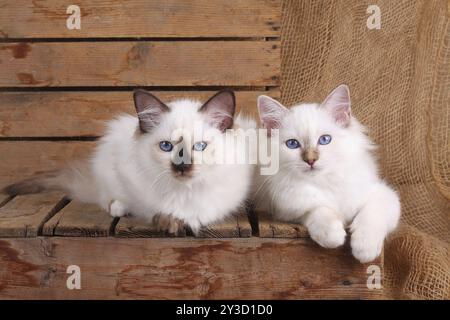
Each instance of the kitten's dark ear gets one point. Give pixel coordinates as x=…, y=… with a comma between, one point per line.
x=149, y=109
x=338, y=104
x=271, y=112
x=219, y=109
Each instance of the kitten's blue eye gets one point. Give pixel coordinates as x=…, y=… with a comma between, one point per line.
x=325, y=139
x=292, y=144
x=200, y=146
x=165, y=146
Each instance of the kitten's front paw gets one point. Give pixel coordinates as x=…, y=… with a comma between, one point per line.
x=331, y=235
x=366, y=246
x=117, y=209
x=168, y=223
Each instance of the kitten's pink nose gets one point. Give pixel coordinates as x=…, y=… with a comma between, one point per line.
x=310, y=156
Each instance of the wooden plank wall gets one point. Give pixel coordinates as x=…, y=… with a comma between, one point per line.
x=59, y=86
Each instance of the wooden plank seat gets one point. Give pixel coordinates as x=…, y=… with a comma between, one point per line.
x=43, y=234
x=52, y=214
x=268, y=227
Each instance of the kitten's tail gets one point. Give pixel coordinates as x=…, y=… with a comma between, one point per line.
x=75, y=181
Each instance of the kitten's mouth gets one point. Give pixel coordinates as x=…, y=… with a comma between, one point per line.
x=182, y=171
x=310, y=169
x=182, y=175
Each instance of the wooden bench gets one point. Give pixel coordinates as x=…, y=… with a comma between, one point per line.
x=58, y=86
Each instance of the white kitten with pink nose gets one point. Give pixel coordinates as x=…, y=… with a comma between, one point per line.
x=328, y=177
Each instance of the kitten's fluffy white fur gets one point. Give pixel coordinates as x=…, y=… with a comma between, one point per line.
x=129, y=172
x=342, y=188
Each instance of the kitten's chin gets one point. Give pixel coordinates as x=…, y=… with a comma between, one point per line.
x=186, y=178
x=183, y=176
x=311, y=170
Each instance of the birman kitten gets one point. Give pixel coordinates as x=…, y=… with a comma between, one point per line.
x=328, y=177
x=160, y=165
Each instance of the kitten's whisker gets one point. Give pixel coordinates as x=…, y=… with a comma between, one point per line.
x=144, y=170
x=260, y=187
x=158, y=178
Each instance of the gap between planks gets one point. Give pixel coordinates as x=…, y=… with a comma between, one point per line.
x=168, y=89
x=136, y=39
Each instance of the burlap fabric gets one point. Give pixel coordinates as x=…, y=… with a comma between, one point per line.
x=399, y=78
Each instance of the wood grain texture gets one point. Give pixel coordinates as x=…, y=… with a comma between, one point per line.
x=21, y=159
x=60, y=114
x=128, y=227
x=24, y=216
x=4, y=198
x=79, y=220
x=187, y=268
x=272, y=228
x=142, y=18
x=243, y=222
x=160, y=63
x=234, y=226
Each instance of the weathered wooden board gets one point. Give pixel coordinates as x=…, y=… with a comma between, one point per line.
x=24, y=216
x=142, y=18
x=21, y=159
x=79, y=220
x=60, y=114
x=235, y=226
x=4, y=198
x=129, y=227
x=270, y=228
x=159, y=63
x=180, y=268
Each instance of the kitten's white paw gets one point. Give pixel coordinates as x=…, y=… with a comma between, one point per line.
x=330, y=235
x=117, y=209
x=168, y=223
x=366, y=246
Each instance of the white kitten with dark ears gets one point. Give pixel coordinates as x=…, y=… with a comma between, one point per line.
x=328, y=177
x=147, y=165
